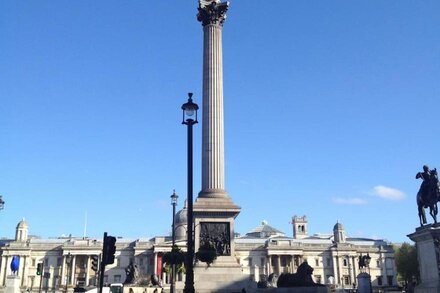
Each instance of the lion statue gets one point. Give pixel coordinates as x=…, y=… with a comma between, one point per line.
x=302, y=278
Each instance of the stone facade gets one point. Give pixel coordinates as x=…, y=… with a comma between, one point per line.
x=262, y=251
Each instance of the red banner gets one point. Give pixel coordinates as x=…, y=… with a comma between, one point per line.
x=159, y=266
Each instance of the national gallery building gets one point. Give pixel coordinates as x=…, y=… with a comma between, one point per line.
x=67, y=261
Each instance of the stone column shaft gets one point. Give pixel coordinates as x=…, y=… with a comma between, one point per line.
x=213, y=182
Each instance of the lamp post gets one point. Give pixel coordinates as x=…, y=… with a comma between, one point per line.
x=2, y=202
x=189, y=119
x=173, y=235
x=68, y=262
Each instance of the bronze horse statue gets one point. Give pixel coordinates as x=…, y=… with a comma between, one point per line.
x=428, y=195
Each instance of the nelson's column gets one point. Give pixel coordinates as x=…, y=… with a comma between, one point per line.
x=214, y=211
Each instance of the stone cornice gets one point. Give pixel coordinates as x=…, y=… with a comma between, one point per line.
x=214, y=13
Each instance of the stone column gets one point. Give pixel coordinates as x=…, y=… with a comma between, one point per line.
x=269, y=266
x=63, y=272
x=72, y=271
x=23, y=260
x=88, y=270
x=212, y=17
x=279, y=264
x=155, y=264
x=354, y=267
x=3, y=269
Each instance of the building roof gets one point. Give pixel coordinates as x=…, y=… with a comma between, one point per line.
x=264, y=231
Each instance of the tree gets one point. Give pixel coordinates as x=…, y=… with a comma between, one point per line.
x=406, y=262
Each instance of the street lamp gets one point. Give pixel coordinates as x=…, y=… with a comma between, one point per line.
x=173, y=235
x=2, y=202
x=189, y=119
x=68, y=262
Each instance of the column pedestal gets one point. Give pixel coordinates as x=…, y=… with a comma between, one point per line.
x=427, y=241
x=12, y=284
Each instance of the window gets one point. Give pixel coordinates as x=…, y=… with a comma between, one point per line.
x=378, y=263
x=346, y=280
x=34, y=262
x=390, y=280
x=379, y=280
x=117, y=278
x=345, y=262
x=317, y=262
x=262, y=262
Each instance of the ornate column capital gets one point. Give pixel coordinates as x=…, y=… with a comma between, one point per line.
x=212, y=13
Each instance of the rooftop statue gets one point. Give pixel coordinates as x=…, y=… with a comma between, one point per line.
x=429, y=194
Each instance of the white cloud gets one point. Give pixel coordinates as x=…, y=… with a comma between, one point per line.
x=350, y=201
x=388, y=193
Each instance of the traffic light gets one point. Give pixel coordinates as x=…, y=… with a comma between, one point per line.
x=109, y=250
x=94, y=262
x=39, y=268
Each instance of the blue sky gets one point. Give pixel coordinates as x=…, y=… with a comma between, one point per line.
x=331, y=108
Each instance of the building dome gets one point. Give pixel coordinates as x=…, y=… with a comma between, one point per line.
x=338, y=226
x=181, y=220
x=22, y=224
x=339, y=233
x=21, y=232
x=182, y=215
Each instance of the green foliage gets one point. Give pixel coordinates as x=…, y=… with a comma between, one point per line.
x=174, y=257
x=181, y=269
x=406, y=262
x=206, y=253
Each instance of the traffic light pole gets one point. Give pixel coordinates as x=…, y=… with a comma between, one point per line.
x=102, y=264
x=41, y=276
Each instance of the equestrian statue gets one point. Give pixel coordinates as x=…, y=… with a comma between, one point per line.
x=429, y=194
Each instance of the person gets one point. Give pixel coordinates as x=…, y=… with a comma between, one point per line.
x=424, y=187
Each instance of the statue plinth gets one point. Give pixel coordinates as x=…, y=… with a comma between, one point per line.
x=294, y=290
x=12, y=284
x=364, y=283
x=427, y=241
